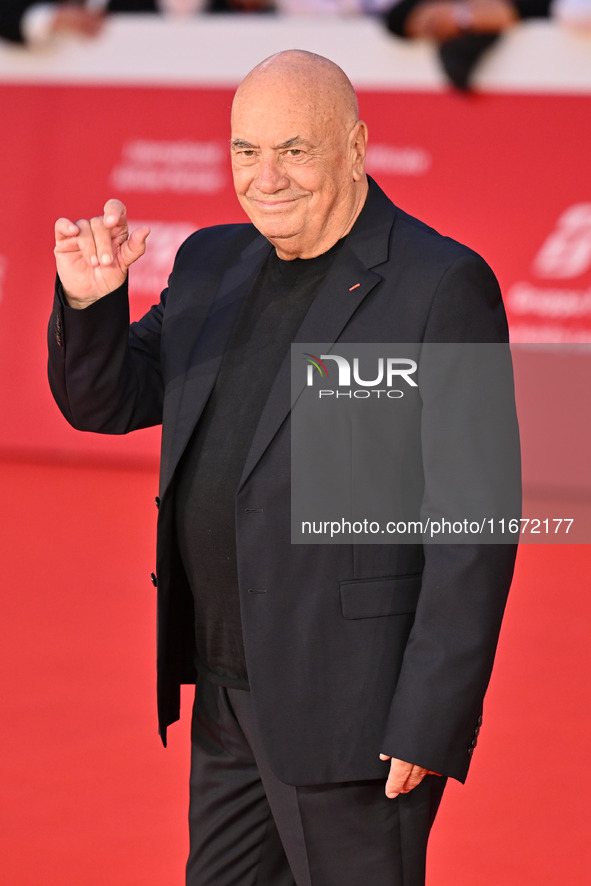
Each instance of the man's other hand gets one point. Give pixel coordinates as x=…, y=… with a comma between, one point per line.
x=403, y=776
x=93, y=255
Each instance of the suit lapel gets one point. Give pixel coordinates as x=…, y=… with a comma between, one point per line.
x=348, y=282
x=204, y=357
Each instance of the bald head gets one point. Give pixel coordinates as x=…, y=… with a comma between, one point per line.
x=298, y=152
x=305, y=77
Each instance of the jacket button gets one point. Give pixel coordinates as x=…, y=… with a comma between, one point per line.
x=157, y=501
x=479, y=721
x=153, y=579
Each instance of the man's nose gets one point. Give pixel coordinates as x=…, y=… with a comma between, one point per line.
x=270, y=176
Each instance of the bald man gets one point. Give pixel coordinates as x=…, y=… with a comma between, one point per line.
x=337, y=685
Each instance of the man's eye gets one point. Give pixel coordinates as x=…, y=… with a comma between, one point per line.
x=294, y=152
x=247, y=152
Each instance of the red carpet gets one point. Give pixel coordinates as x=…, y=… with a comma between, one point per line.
x=90, y=798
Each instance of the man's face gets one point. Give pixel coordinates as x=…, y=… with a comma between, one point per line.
x=296, y=167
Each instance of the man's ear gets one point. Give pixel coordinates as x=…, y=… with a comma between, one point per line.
x=358, y=146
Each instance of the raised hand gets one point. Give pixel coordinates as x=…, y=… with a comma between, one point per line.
x=92, y=256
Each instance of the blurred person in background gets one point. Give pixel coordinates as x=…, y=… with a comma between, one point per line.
x=465, y=29
x=32, y=23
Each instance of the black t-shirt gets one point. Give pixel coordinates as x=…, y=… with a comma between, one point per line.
x=211, y=467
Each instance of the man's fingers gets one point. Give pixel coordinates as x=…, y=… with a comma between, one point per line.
x=397, y=778
x=99, y=238
x=95, y=241
x=403, y=777
x=96, y=238
x=135, y=246
x=115, y=213
x=65, y=230
x=93, y=255
x=86, y=243
x=102, y=237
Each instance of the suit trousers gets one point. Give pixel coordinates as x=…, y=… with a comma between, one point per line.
x=248, y=828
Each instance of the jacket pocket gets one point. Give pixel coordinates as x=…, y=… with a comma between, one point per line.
x=369, y=598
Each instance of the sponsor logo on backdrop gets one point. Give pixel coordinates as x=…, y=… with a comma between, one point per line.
x=3, y=270
x=567, y=251
x=564, y=256
x=149, y=274
x=180, y=167
x=397, y=160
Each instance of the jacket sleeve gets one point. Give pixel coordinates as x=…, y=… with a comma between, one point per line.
x=105, y=374
x=435, y=715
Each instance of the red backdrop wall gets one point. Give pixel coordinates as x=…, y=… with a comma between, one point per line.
x=506, y=173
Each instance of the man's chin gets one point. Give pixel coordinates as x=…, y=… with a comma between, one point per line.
x=274, y=232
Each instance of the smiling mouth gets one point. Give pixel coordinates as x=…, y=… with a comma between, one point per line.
x=273, y=204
